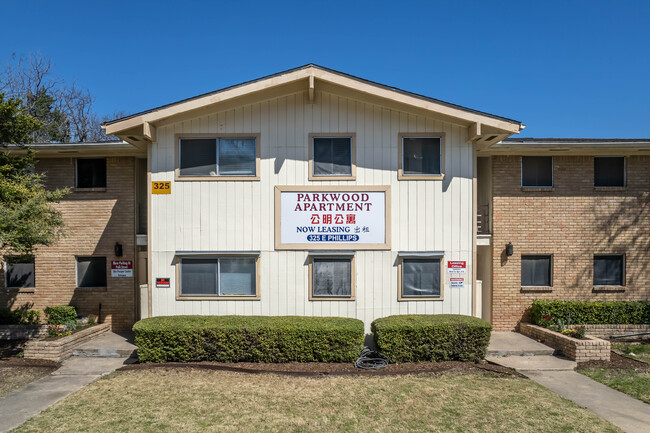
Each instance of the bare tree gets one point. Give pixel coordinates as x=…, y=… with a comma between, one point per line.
x=66, y=111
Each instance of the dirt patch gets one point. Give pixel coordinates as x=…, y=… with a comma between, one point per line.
x=616, y=362
x=318, y=369
x=11, y=348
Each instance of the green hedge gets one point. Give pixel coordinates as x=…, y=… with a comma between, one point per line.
x=592, y=312
x=440, y=337
x=61, y=314
x=248, y=339
x=19, y=317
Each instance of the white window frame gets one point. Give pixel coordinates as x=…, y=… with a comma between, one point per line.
x=217, y=177
x=214, y=255
x=336, y=255
x=400, y=157
x=419, y=255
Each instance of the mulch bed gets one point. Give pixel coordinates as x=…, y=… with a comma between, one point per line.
x=318, y=369
x=616, y=362
x=22, y=362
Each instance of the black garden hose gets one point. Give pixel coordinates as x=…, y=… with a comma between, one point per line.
x=371, y=360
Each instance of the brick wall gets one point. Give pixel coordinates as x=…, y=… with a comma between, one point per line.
x=572, y=222
x=95, y=221
x=588, y=349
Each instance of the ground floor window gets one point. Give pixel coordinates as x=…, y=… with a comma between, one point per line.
x=536, y=270
x=609, y=270
x=331, y=277
x=228, y=276
x=420, y=277
x=19, y=272
x=91, y=271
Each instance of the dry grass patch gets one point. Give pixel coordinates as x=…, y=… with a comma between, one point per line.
x=14, y=377
x=171, y=400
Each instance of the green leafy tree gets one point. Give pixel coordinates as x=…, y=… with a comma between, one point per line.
x=27, y=217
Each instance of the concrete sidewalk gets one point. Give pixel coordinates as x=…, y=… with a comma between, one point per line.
x=558, y=374
x=30, y=400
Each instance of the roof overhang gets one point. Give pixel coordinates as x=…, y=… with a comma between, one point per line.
x=483, y=128
x=58, y=150
x=569, y=146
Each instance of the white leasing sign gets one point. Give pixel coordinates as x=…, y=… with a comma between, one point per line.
x=340, y=218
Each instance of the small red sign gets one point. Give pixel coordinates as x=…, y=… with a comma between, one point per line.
x=162, y=282
x=456, y=267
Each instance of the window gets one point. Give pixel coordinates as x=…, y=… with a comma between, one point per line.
x=227, y=276
x=536, y=270
x=420, y=278
x=331, y=277
x=332, y=156
x=234, y=158
x=609, y=171
x=537, y=171
x=421, y=156
x=609, y=270
x=91, y=271
x=91, y=173
x=19, y=272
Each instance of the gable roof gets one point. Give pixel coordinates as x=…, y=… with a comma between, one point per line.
x=311, y=76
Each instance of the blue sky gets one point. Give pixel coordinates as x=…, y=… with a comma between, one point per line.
x=564, y=68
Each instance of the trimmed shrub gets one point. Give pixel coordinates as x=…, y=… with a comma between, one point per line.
x=248, y=339
x=21, y=316
x=592, y=312
x=439, y=337
x=61, y=314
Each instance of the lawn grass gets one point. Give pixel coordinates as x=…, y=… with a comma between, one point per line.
x=633, y=383
x=640, y=352
x=172, y=400
x=12, y=378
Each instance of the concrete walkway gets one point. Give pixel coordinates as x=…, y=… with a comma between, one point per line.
x=515, y=344
x=30, y=400
x=109, y=345
x=557, y=374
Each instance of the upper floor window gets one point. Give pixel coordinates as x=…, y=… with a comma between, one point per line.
x=609, y=171
x=609, y=270
x=232, y=158
x=91, y=173
x=332, y=157
x=19, y=272
x=421, y=156
x=537, y=171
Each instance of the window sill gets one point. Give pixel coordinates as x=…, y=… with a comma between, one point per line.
x=217, y=298
x=538, y=188
x=215, y=178
x=330, y=178
x=89, y=189
x=606, y=289
x=92, y=289
x=413, y=298
x=536, y=289
x=610, y=188
x=331, y=298
x=20, y=289
x=420, y=177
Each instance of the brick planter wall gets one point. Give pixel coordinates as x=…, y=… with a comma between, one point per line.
x=606, y=331
x=588, y=349
x=22, y=332
x=62, y=348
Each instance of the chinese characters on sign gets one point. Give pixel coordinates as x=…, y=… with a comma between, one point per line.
x=316, y=219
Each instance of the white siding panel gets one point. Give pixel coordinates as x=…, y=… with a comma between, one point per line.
x=226, y=216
